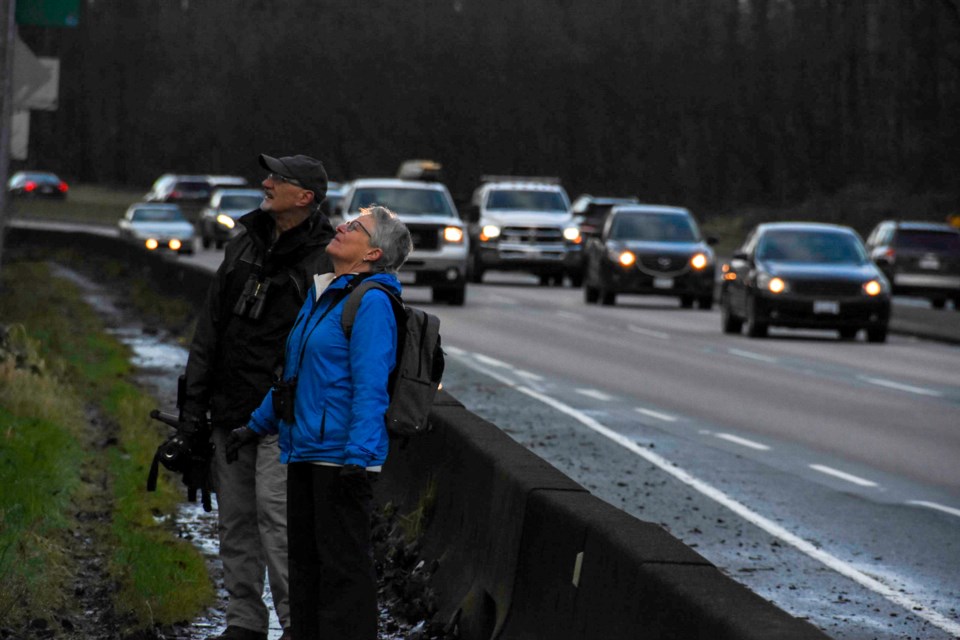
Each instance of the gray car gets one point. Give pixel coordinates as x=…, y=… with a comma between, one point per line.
x=218, y=220
x=919, y=259
x=158, y=227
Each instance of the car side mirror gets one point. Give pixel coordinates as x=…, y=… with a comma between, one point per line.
x=741, y=255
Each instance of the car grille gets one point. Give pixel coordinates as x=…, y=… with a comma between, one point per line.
x=425, y=236
x=532, y=235
x=663, y=264
x=825, y=288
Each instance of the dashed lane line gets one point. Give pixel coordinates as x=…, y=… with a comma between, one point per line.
x=934, y=505
x=743, y=442
x=650, y=333
x=656, y=414
x=834, y=563
x=595, y=394
x=842, y=475
x=899, y=386
x=751, y=355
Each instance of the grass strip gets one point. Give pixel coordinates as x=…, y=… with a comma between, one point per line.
x=58, y=365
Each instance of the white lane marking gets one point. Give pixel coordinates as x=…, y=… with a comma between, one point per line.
x=934, y=505
x=915, y=607
x=751, y=355
x=528, y=375
x=890, y=384
x=836, y=473
x=742, y=441
x=569, y=315
x=595, y=394
x=493, y=362
x=454, y=351
x=656, y=414
x=648, y=332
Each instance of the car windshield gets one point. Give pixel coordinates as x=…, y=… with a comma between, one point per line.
x=41, y=178
x=811, y=247
x=655, y=227
x=928, y=240
x=193, y=187
x=533, y=200
x=419, y=202
x=158, y=215
x=247, y=203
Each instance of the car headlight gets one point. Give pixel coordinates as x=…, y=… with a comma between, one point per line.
x=489, y=232
x=227, y=221
x=453, y=234
x=175, y=244
x=151, y=243
x=874, y=287
x=623, y=258
x=572, y=234
x=700, y=261
x=773, y=284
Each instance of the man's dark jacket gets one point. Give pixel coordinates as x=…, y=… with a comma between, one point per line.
x=233, y=357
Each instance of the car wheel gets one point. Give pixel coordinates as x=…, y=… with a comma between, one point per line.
x=590, y=294
x=729, y=322
x=576, y=279
x=607, y=298
x=686, y=302
x=848, y=333
x=877, y=334
x=755, y=328
x=705, y=303
x=220, y=244
x=937, y=303
x=205, y=241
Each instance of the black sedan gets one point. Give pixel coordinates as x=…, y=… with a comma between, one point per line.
x=649, y=249
x=37, y=184
x=795, y=274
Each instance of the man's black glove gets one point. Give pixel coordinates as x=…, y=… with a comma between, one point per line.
x=353, y=482
x=238, y=438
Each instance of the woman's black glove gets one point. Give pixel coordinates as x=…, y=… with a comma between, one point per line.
x=238, y=438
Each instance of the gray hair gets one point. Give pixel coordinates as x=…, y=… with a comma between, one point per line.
x=389, y=235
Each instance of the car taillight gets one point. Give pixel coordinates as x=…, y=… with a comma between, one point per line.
x=62, y=187
x=30, y=186
x=890, y=255
x=174, y=195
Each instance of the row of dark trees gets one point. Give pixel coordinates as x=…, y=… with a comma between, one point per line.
x=706, y=102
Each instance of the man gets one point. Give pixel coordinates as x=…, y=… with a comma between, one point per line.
x=236, y=351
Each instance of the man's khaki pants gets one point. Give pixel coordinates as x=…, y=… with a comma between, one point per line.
x=252, y=511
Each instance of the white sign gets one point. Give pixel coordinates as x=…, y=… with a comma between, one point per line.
x=19, y=134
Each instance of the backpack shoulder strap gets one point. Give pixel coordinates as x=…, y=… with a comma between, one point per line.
x=352, y=303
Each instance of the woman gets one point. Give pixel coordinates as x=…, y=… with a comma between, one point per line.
x=335, y=436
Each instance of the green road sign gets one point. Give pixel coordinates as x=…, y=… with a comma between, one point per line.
x=48, y=13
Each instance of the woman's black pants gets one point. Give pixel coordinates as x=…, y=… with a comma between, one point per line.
x=333, y=588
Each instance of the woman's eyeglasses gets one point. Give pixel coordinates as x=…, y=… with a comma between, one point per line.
x=355, y=224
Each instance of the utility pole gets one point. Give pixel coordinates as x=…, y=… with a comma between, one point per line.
x=7, y=36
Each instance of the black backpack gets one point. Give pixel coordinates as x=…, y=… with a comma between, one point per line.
x=415, y=380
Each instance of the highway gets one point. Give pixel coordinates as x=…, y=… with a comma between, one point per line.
x=821, y=474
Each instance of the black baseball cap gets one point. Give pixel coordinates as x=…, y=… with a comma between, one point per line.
x=306, y=170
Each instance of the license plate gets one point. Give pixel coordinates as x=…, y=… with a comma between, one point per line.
x=663, y=283
x=929, y=262
x=406, y=277
x=826, y=306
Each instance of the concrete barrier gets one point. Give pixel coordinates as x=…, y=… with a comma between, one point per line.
x=518, y=549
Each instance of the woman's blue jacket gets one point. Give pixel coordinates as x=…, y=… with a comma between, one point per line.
x=341, y=395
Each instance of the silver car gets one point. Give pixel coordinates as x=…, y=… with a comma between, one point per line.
x=158, y=227
x=218, y=220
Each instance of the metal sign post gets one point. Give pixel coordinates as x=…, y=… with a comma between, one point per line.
x=7, y=38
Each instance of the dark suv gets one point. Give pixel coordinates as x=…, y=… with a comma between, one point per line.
x=919, y=259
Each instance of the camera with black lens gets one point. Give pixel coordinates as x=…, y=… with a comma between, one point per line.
x=284, y=394
x=253, y=299
x=175, y=453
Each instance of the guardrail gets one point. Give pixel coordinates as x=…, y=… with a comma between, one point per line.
x=518, y=549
